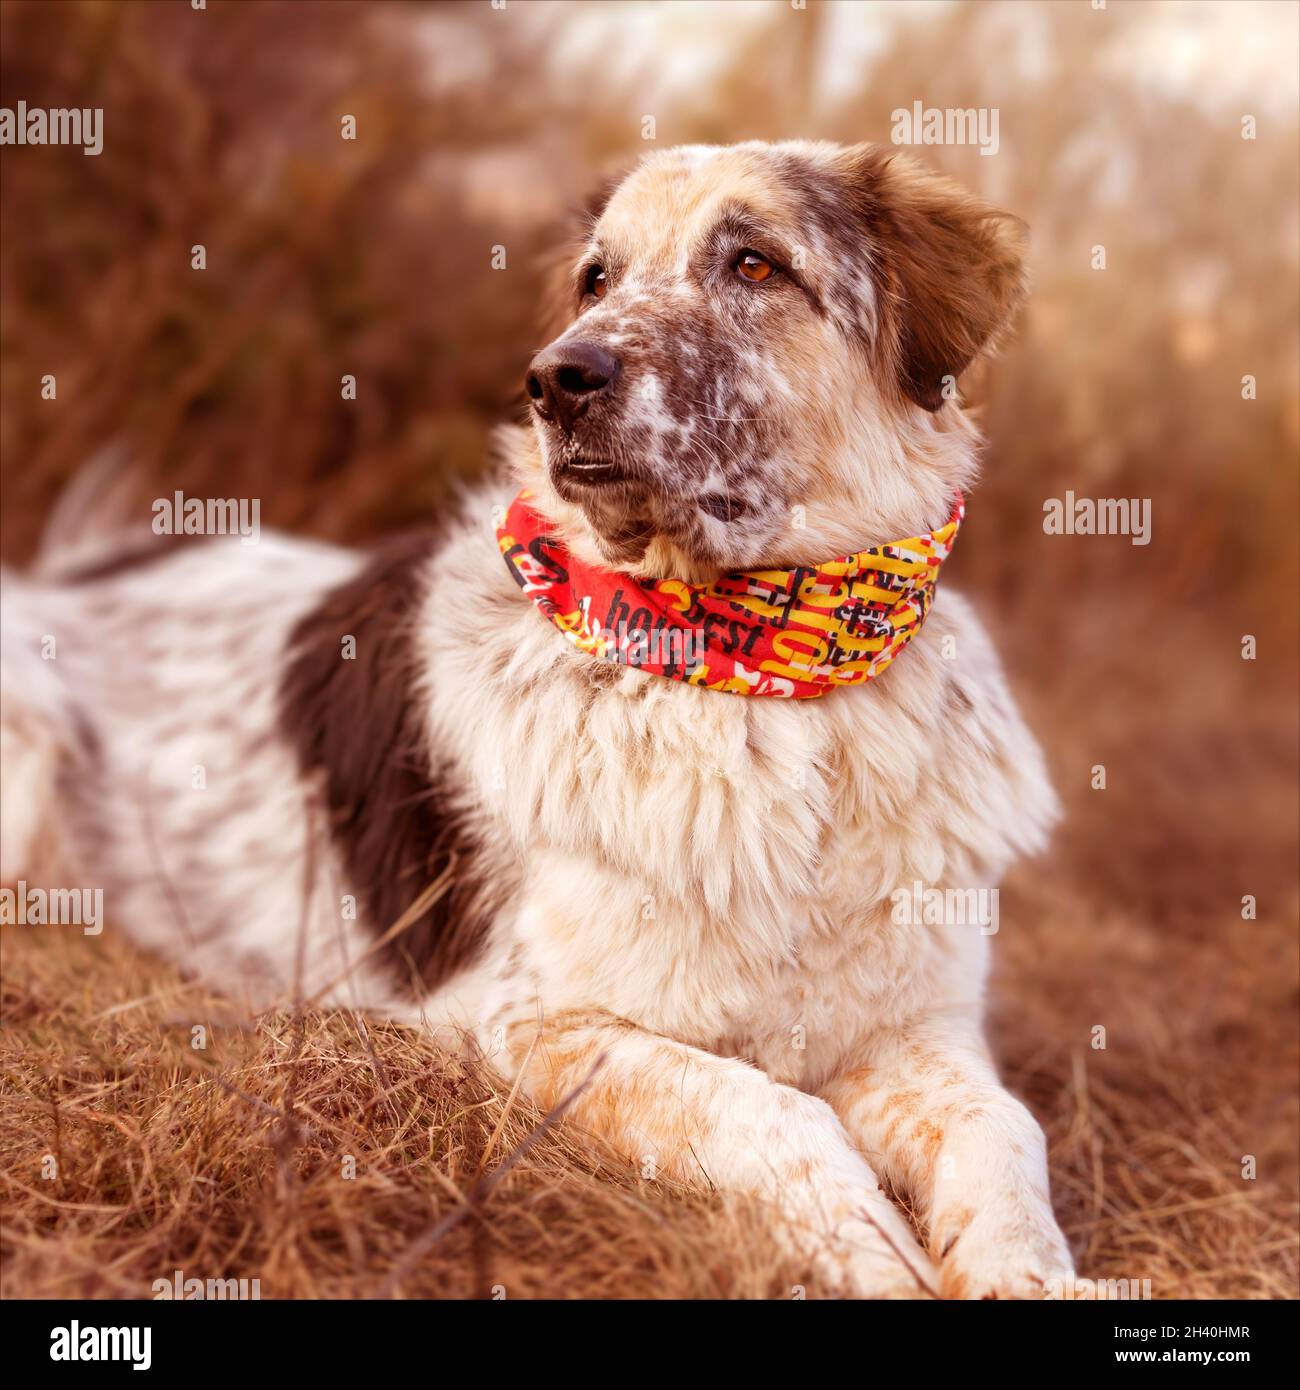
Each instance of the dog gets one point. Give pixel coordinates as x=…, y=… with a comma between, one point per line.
x=663, y=898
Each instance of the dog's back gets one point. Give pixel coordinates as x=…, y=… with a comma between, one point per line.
x=142, y=753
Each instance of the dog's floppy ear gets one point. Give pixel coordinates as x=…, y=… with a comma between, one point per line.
x=569, y=236
x=949, y=270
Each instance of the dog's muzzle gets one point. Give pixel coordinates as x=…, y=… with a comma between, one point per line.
x=564, y=379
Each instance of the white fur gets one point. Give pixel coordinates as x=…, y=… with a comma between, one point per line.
x=719, y=869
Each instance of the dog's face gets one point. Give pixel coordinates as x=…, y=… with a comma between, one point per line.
x=762, y=345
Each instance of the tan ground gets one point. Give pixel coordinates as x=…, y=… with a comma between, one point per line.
x=174, y=1158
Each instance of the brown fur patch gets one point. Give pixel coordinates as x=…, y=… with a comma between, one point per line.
x=355, y=723
x=950, y=270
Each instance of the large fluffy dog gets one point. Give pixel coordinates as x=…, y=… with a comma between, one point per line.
x=389, y=780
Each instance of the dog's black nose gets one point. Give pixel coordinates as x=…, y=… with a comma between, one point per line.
x=564, y=378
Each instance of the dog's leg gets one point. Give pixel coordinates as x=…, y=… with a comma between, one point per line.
x=926, y=1106
x=717, y=1121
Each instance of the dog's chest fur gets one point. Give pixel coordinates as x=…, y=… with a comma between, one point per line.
x=716, y=867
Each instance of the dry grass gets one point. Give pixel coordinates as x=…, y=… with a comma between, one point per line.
x=229, y=1162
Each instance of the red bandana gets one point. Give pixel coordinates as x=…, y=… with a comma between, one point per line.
x=795, y=633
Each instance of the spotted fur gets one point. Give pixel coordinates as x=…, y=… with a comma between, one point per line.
x=678, y=907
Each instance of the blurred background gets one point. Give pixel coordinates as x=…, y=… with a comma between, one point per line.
x=481, y=127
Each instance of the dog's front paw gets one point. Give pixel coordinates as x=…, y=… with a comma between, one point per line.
x=885, y=1259
x=1007, y=1248
x=876, y=1272
x=872, y=1252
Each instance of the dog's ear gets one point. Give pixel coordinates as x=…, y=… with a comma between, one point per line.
x=567, y=240
x=948, y=269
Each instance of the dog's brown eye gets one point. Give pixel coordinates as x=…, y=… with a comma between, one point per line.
x=595, y=282
x=753, y=266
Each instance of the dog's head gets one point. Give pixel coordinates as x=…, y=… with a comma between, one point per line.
x=762, y=347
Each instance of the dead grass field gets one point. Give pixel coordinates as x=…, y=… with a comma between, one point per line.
x=229, y=1162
